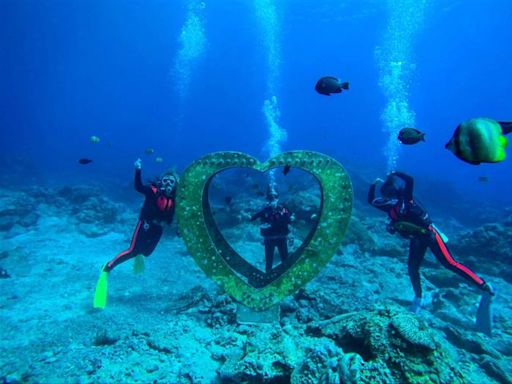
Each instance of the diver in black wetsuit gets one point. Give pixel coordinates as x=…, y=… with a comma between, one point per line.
x=410, y=220
x=275, y=218
x=158, y=208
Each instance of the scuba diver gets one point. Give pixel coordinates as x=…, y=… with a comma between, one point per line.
x=158, y=208
x=411, y=220
x=275, y=219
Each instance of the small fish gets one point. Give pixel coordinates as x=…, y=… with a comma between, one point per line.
x=330, y=84
x=4, y=274
x=84, y=161
x=286, y=169
x=480, y=140
x=228, y=200
x=411, y=136
x=158, y=159
x=94, y=139
x=483, y=179
x=149, y=151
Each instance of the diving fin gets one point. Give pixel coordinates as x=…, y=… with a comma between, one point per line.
x=100, y=294
x=484, y=315
x=506, y=126
x=138, y=264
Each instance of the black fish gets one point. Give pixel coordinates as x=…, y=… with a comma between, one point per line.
x=411, y=136
x=286, y=169
x=228, y=200
x=84, y=161
x=330, y=84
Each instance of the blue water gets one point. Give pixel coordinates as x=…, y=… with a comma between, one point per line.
x=191, y=77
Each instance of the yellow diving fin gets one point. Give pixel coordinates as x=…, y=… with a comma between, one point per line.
x=138, y=264
x=100, y=294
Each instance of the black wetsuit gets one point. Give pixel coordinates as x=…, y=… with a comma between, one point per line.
x=157, y=208
x=275, y=232
x=407, y=210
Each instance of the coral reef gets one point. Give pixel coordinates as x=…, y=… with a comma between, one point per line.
x=393, y=347
x=492, y=240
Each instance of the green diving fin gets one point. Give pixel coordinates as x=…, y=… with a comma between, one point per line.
x=100, y=294
x=484, y=315
x=138, y=264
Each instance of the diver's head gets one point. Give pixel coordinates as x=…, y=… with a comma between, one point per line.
x=167, y=183
x=393, y=187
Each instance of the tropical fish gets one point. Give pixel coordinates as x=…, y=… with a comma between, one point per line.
x=158, y=159
x=94, y=139
x=480, y=140
x=483, y=179
x=84, y=161
x=411, y=136
x=228, y=200
x=149, y=151
x=330, y=84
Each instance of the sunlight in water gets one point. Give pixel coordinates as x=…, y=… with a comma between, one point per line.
x=270, y=31
x=193, y=44
x=396, y=67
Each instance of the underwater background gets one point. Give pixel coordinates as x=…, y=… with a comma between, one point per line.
x=170, y=81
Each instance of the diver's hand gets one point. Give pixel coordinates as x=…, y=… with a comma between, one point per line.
x=138, y=164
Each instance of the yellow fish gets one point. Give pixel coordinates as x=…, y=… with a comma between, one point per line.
x=480, y=140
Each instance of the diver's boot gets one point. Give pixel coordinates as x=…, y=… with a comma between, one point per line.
x=484, y=312
x=138, y=264
x=101, y=291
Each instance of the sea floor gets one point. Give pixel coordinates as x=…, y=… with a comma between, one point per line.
x=171, y=324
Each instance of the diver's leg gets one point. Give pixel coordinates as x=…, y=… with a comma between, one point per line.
x=417, y=249
x=282, y=247
x=484, y=313
x=269, y=254
x=129, y=253
x=150, y=240
x=442, y=253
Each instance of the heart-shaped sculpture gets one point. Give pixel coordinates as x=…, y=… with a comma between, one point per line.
x=223, y=264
